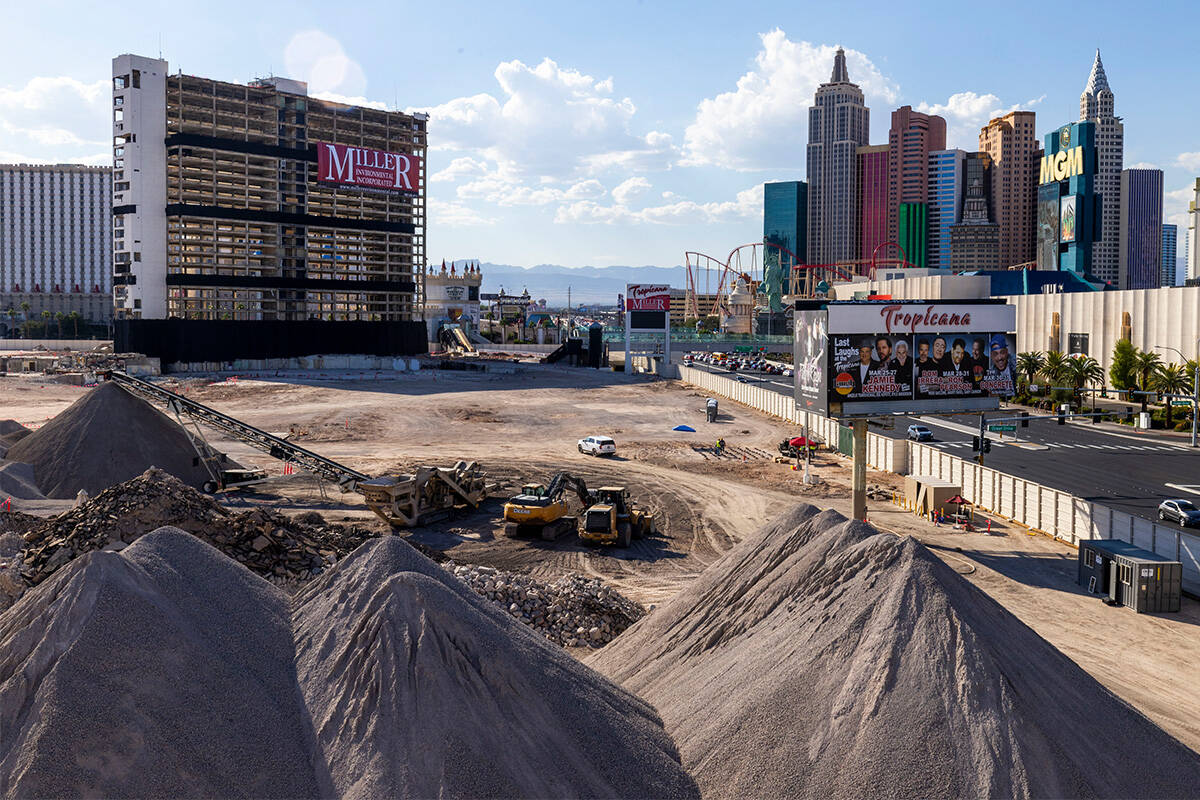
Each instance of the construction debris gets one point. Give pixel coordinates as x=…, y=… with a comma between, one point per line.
x=821, y=658
x=267, y=542
x=573, y=611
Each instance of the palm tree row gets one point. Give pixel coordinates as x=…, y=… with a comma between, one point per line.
x=1140, y=369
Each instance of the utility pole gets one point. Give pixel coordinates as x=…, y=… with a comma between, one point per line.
x=982, y=434
x=860, y=469
x=1195, y=385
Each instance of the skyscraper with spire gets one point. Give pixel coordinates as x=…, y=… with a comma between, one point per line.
x=1096, y=104
x=838, y=124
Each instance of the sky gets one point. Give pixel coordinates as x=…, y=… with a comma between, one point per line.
x=622, y=133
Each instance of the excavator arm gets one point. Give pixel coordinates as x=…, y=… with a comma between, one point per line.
x=562, y=480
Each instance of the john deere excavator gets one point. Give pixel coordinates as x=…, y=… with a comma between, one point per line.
x=613, y=519
x=541, y=509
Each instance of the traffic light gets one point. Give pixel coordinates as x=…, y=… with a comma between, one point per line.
x=1024, y=419
x=987, y=445
x=975, y=444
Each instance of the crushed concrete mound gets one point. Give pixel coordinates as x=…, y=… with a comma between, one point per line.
x=169, y=670
x=418, y=687
x=16, y=480
x=11, y=432
x=165, y=670
x=105, y=437
x=823, y=659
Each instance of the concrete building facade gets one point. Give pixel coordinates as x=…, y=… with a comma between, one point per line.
x=975, y=240
x=1012, y=148
x=1191, y=242
x=838, y=124
x=911, y=138
x=55, y=241
x=258, y=203
x=1140, y=234
x=1096, y=104
x=872, y=200
x=945, y=202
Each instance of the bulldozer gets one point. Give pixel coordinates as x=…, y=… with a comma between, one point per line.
x=613, y=519
x=541, y=509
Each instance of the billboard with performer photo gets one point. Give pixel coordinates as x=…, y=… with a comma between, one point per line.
x=903, y=357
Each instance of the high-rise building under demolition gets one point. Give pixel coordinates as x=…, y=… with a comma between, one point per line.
x=257, y=203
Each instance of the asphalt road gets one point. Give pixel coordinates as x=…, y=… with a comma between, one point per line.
x=1128, y=471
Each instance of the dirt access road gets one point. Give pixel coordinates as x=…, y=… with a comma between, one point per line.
x=523, y=427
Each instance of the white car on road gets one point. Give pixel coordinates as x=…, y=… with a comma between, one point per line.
x=598, y=446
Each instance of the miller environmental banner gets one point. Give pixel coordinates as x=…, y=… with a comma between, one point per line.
x=900, y=357
x=368, y=169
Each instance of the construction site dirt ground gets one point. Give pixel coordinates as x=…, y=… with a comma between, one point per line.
x=523, y=427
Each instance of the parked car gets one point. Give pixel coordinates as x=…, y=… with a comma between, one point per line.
x=787, y=373
x=598, y=446
x=1182, y=511
x=919, y=433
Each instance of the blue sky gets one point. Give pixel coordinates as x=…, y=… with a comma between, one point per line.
x=626, y=132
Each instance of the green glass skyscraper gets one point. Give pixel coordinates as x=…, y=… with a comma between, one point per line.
x=914, y=232
x=785, y=221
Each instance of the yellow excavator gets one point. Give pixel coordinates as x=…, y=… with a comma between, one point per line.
x=541, y=509
x=613, y=519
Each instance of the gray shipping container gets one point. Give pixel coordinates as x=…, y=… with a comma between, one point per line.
x=1130, y=576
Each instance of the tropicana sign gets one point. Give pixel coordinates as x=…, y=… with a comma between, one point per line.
x=1062, y=165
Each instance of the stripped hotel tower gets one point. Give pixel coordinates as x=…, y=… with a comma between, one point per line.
x=1096, y=105
x=838, y=124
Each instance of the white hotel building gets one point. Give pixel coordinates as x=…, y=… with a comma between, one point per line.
x=55, y=241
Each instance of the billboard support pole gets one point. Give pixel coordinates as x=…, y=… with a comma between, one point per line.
x=860, y=469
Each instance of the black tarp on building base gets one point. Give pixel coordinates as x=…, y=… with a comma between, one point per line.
x=177, y=340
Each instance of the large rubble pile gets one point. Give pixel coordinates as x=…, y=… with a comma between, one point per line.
x=105, y=437
x=168, y=670
x=268, y=543
x=573, y=611
x=823, y=659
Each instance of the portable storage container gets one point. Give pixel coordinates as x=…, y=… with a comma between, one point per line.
x=1130, y=576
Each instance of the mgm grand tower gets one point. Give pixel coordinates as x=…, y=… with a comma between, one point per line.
x=258, y=204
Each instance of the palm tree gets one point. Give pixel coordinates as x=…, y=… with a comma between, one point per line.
x=75, y=316
x=1079, y=371
x=12, y=316
x=1030, y=364
x=1146, y=363
x=1053, y=368
x=25, y=321
x=58, y=317
x=1170, y=379
x=46, y=324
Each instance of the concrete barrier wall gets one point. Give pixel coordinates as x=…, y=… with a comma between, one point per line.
x=1040, y=508
x=52, y=344
x=882, y=453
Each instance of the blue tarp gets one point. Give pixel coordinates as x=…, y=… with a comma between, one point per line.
x=687, y=428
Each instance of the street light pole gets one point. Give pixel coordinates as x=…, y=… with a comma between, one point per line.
x=1195, y=385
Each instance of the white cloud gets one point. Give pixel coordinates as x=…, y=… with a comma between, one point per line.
x=629, y=189
x=1142, y=165
x=1189, y=161
x=53, y=119
x=465, y=167
x=347, y=100
x=966, y=112
x=503, y=189
x=763, y=123
x=547, y=121
x=455, y=215
x=1175, y=207
x=318, y=58
x=746, y=205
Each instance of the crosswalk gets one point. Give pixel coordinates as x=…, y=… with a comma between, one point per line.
x=1129, y=448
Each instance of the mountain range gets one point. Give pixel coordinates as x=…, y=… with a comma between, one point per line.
x=587, y=285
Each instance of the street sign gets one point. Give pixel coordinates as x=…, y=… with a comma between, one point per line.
x=1181, y=402
x=1002, y=427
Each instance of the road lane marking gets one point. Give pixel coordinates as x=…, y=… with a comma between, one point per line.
x=1193, y=488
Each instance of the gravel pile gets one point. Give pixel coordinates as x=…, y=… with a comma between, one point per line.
x=105, y=437
x=268, y=543
x=17, y=481
x=573, y=611
x=11, y=432
x=823, y=659
x=168, y=670
x=165, y=670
